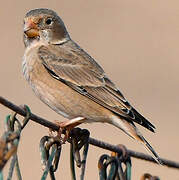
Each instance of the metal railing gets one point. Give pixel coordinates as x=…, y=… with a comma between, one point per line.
x=110, y=166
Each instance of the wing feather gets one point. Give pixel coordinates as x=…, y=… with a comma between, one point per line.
x=79, y=71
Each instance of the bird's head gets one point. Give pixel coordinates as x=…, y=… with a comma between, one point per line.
x=44, y=24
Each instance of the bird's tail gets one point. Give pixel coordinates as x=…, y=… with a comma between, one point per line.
x=150, y=149
x=130, y=129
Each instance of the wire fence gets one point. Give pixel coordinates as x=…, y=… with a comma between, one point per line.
x=110, y=166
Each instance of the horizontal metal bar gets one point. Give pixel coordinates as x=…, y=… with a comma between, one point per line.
x=92, y=141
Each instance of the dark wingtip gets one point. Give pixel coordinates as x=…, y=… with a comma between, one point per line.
x=151, y=129
x=143, y=121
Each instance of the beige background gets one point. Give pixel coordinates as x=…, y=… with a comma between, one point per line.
x=137, y=44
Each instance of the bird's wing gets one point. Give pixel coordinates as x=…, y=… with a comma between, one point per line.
x=79, y=71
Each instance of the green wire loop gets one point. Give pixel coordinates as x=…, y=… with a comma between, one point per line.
x=116, y=170
x=9, y=143
x=48, y=165
x=110, y=167
x=103, y=163
x=78, y=139
x=50, y=160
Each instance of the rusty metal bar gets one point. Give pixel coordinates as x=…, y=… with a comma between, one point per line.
x=92, y=141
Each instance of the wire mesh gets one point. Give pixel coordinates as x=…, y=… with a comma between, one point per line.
x=116, y=166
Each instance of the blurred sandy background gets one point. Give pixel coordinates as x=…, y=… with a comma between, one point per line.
x=137, y=44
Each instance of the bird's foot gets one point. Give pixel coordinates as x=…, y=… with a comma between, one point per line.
x=65, y=127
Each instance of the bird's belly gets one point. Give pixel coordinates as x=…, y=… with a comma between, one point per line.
x=64, y=100
x=69, y=103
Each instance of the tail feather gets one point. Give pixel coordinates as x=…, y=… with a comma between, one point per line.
x=130, y=129
x=149, y=148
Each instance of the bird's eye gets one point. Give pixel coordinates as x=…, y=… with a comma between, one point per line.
x=48, y=21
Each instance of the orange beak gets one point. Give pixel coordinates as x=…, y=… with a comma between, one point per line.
x=31, y=29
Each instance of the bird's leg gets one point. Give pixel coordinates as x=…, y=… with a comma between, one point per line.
x=66, y=126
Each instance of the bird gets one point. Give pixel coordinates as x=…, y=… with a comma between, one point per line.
x=71, y=82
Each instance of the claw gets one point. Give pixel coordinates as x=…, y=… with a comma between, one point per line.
x=65, y=128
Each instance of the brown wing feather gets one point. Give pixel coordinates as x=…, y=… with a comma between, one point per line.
x=71, y=67
x=78, y=70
